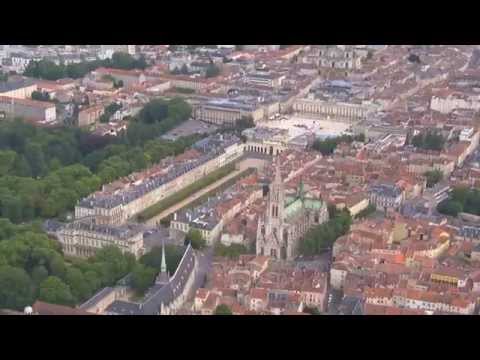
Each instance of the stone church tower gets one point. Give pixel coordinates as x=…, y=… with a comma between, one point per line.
x=286, y=219
x=270, y=238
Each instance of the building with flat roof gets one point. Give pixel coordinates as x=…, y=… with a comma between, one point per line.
x=340, y=111
x=271, y=141
x=226, y=111
x=31, y=110
x=115, y=205
x=19, y=89
x=386, y=197
x=84, y=237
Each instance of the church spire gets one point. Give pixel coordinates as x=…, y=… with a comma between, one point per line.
x=163, y=267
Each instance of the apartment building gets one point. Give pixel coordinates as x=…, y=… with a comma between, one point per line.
x=332, y=110
x=90, y=115
x=224, y=111
x=31, y=110
x=116, y=205
x=85, y=236
x=19, y=89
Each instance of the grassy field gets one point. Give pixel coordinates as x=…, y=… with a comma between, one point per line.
x=213, y=192
x=185, y=192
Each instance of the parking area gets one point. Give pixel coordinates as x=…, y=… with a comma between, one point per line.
x=190, y=127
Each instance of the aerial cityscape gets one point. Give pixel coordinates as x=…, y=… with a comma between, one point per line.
x=239, y=180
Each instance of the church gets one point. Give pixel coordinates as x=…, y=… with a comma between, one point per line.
x=287, y=219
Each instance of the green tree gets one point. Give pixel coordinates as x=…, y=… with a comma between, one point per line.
x=430, y=140
x=450, y=207
x=222, y=309
x=7, y=161
x=36, y=159
x=460, y=194
x=40, y=96
x=155, y=110
x=122, y=60
x=326, y=147
x=245, y=122
x=212, y=70
x=54, y=290
x=39, y=273
x=11, y=207
x=16, y=289
x=433, y=177
x=143, y=278
x=195, y=238
x=21, y=167
x=173, y=255
x=311, y=310
x=80, y=288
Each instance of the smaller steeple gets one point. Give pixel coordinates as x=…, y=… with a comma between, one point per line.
x=163, y=277
x=163, y=267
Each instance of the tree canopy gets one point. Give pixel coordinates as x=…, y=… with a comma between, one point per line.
x=195, y=238
x=43, y=173
x=222, y=309
x=327, y=146
x=461, y=199
x=430, y=140
x=48, y=70
x=433, y=177
x=321, y=237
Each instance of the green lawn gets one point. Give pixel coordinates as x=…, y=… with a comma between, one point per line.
x=185, y=192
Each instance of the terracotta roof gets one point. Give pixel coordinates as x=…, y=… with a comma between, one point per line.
x=42, y=308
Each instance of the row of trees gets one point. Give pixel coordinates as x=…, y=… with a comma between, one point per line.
x=195, y=238
x=322, y=237
x=48, y=70
x=327, y=146
x=429, y=140
x=461, y=199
